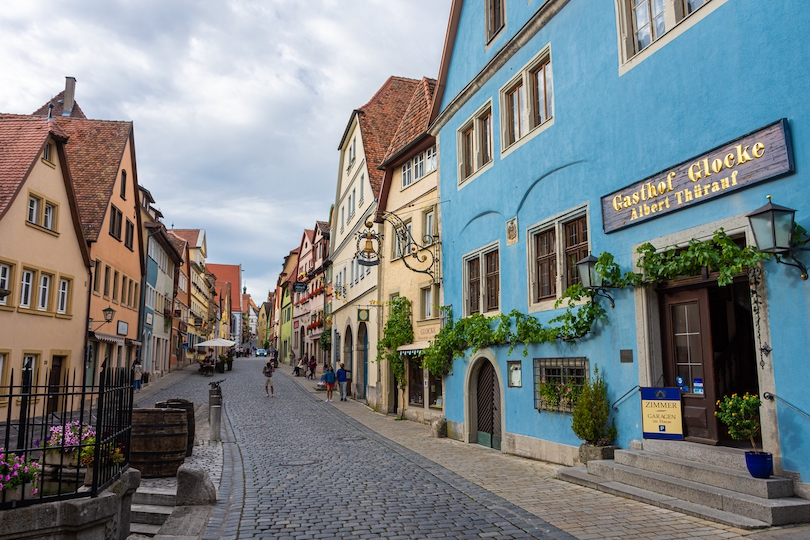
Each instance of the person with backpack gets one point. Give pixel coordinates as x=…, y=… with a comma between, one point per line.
x=268, y=379
x=328, y=378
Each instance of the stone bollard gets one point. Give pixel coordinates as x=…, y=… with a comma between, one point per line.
x=439, y=428
x=216, y=422
x=194, y=487
x=214, y=398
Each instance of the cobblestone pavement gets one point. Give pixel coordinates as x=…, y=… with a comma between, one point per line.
x=296, y=467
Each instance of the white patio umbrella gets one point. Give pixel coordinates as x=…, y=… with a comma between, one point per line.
x=218, y=342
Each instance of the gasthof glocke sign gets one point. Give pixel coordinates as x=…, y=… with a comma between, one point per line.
x=744, y=162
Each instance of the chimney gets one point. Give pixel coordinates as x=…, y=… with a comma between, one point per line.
x=70, y=93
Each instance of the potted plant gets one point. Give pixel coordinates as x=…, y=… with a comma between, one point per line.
x=591, y=420
x=557, y=396
x=67, y=439
x=18, y=476
x=741, y=415
x=114, y=454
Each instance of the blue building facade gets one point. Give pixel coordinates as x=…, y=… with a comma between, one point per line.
x=572, y=126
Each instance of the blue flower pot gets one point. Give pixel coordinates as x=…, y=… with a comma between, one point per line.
x=759, y=465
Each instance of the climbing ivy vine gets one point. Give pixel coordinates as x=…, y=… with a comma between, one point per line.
x=720, y=254
x=398, y=331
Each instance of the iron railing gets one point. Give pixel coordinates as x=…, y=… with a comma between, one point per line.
x=48, y=465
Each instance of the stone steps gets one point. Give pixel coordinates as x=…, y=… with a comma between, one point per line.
x=154, y=496
x=698, y=480
x=144, y=529
x=150, y=514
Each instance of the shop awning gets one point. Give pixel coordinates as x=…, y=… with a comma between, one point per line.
x=413, y=348
x=107, y=338
x=133, y=342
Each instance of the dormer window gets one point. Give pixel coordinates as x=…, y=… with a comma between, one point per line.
x=48, y=153
x=124, y=185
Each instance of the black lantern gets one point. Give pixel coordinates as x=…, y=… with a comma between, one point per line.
x=109, y=313
x=588, y=276
x=773, y=227
x=4, y=293
x=591, y=279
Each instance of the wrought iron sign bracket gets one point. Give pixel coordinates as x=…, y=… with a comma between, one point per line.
x=417, y=257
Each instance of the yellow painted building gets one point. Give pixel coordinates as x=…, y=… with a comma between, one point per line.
x=44, y=261
x=409, y=201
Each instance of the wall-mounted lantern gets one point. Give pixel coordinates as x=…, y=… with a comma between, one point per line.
x=591, y=279
x=773, y=227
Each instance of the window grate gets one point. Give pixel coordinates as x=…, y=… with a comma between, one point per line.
x=559, y=371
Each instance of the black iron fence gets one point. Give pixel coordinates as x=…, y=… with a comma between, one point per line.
x=63, y=437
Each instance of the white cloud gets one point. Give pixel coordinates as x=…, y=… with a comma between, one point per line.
x=238, y=106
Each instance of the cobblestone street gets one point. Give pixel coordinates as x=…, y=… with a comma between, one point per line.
x=297, y=467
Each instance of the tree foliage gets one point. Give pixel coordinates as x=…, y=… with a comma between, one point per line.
x=398, y=331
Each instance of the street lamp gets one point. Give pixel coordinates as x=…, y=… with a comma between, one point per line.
x=109, y=314
x=591, y=279
x=773, y=227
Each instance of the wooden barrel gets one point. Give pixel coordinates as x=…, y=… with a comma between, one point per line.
x=158, y=441
x=187, y=406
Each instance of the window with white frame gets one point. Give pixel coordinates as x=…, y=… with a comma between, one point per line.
x=151, y=295
x=403, y=237
x=43, y=298
x=429, y=226
x=475, y=143
x=430, y=159
x=26, y=284
x=407, y=174
x=362, y=181
x=643, y=22
x=351, y=154
x=555, y=247
x=5, y=282
x=482, y=281
x=64, y=296
x=527, y=101
x=34, y=204
x=342, y=217
x=48, y=153
x=49, y=216
x=428, y=302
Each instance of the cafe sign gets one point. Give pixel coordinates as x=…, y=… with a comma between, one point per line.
x=762, y=155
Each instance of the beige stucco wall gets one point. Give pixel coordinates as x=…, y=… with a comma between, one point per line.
x=31, y=331
x=411, y=204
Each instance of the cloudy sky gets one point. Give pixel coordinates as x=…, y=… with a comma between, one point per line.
x=238, y=105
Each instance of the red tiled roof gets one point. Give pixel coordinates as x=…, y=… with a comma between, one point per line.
x=21, y=142
x=94, y=154
x=416, y=119
x=378, y=121
x=231, y=273
x=189, y=235
x=58, y=108
x=322, y=226
x=178, y=243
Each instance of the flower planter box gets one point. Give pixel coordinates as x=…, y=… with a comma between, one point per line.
x=589, y=452
x=16, y=493
x=62, y=459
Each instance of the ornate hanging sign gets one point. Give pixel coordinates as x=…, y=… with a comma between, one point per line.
x=759, y=156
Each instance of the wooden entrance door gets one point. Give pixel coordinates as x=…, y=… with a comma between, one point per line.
x=688, y=360
x=55, y=383
x=489, y=405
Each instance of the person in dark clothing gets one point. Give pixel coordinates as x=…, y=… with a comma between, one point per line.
x=341, y=379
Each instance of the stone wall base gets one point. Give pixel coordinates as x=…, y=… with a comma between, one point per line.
x=105, y=517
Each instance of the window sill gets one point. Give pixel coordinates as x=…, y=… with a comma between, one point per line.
x=476, y=174
x=41, y=228
x=7, y=308
x=30, y=311
x=548, y=305
x=64, y=316
x=48, y=163
x=526, y=138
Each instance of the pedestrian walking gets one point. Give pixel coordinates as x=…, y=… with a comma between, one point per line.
x=328, y=378
x=313, y=364
x=268, y=379
x=342, y=379
x=137, y=375
x=299, y=366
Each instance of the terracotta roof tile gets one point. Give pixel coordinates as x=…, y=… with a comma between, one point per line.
x=58, y=108
x=178, y=243
x=322, y=226
x=189, y=235
x=21, y=141
x=416, y=119
x=378, y=121
x=94, y=153
x=230, y=273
